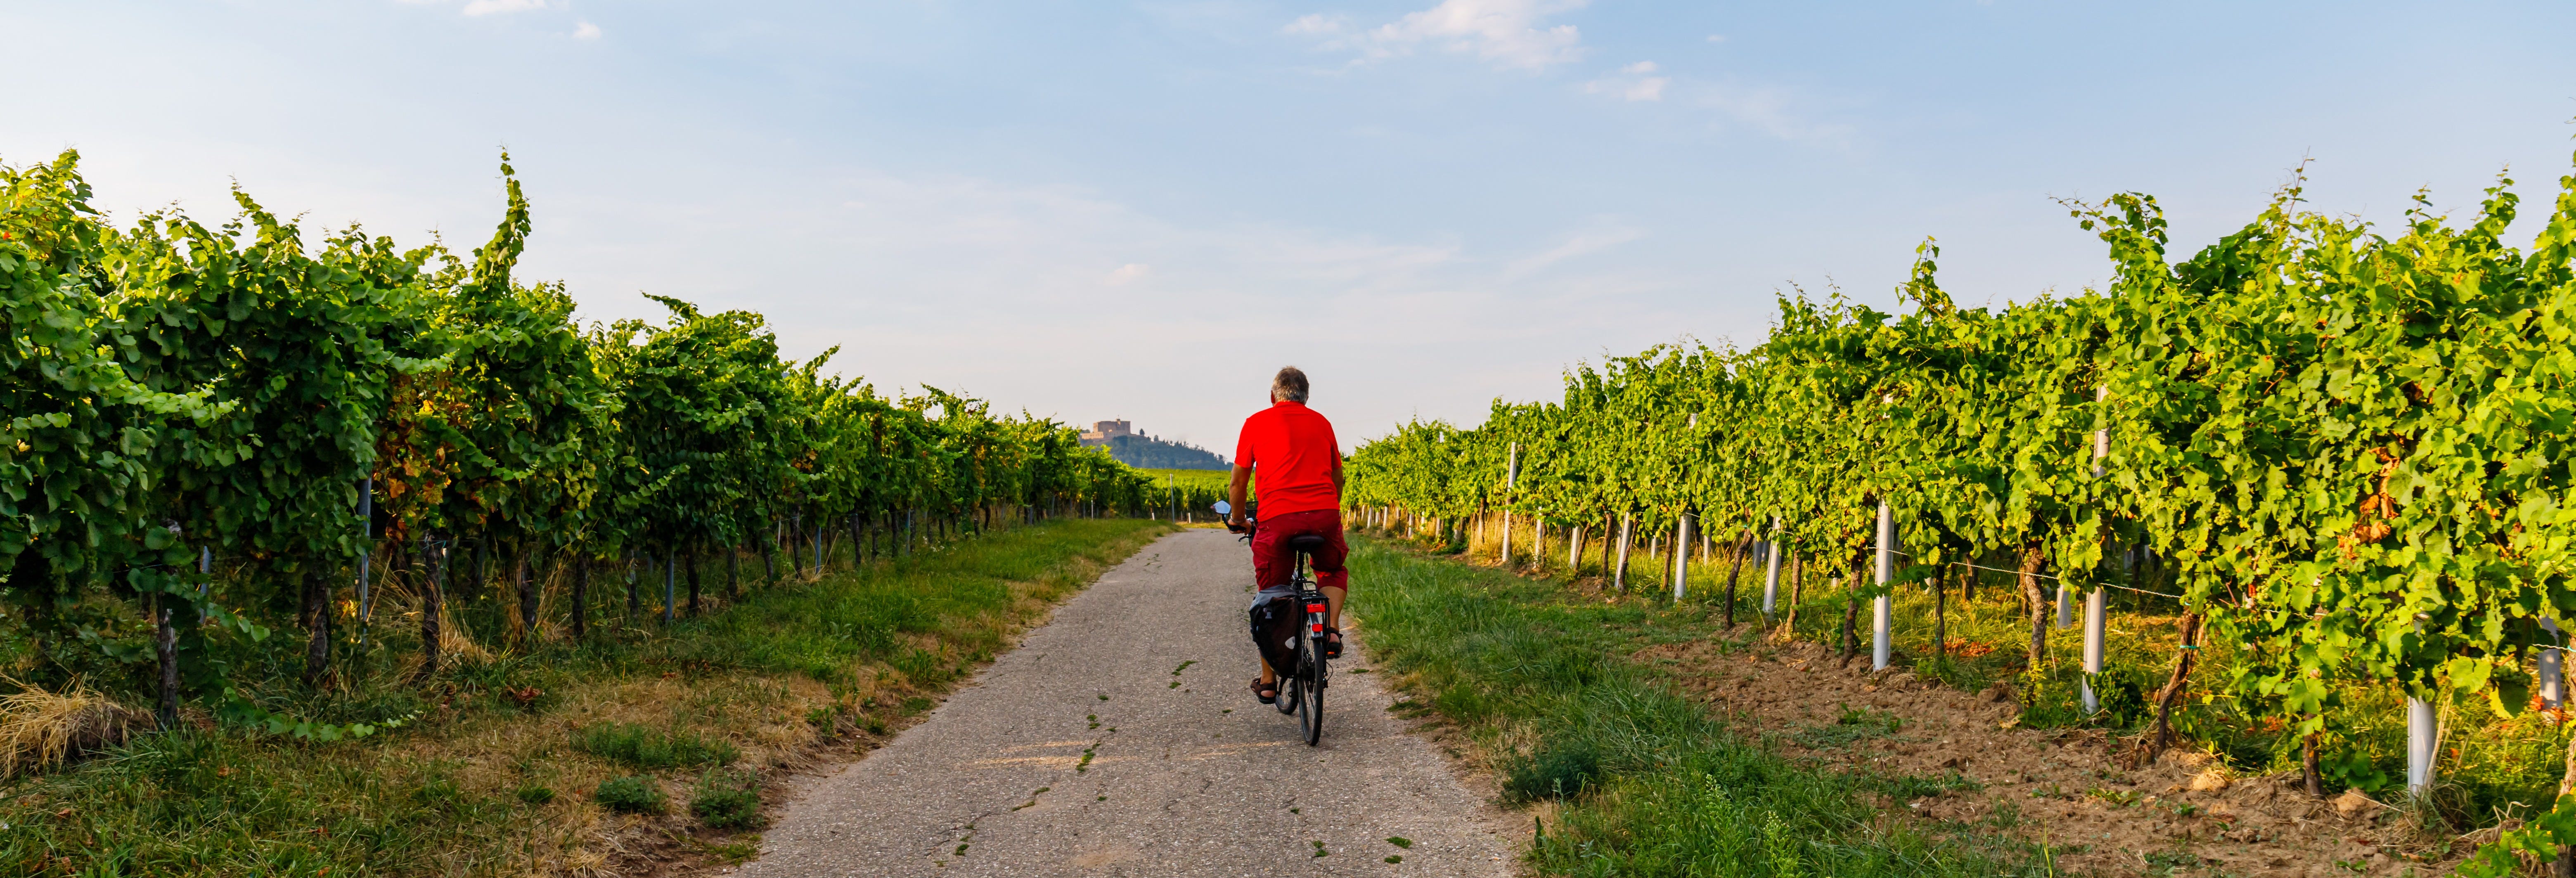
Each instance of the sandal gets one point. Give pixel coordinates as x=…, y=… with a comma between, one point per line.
x=1332, y=643
x=1258, y=688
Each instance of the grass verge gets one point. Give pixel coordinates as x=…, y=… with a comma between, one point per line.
x=561, y=760
x=2494, y=766
x=1628, y=777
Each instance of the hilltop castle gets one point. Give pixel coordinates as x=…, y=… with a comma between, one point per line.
x=1146, y=452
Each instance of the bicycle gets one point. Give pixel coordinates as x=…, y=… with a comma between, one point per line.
x=1301, y=686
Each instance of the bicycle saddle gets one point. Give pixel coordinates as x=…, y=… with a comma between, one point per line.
x=1308, y=543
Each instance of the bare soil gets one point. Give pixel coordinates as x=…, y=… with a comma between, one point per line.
x=2184, y=814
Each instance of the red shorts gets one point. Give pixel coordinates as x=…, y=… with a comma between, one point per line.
x=1272, y=560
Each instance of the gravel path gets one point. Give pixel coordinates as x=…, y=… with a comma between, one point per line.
x=1012, y=777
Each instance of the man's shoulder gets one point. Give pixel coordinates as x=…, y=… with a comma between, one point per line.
x=1285, y=413
x=1305, y=412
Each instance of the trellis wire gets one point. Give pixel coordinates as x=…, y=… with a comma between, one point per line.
x=2047, y=576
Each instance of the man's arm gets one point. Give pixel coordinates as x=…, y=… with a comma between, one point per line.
x=1234, y=492
x=1337, y=475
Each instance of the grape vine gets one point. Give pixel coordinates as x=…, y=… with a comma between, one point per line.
x=2352, y=445
x=321, y=417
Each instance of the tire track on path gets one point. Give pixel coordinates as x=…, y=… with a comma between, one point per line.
x=1118, y=740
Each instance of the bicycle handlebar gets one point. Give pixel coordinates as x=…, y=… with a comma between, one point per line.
x=1246, y=529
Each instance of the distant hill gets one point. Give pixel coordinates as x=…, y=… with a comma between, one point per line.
x=1144, y=452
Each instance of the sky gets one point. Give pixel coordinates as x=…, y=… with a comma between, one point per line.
x=1140, y=210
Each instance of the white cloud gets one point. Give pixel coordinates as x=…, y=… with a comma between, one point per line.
x=1769, y=109
x=502, y=7
x=1127, y=273
x=1635, y=82
x=1582, y=243
x=1717, y=38
x=1316, y=25
x=1510, y=33
x=585, y=31
x=960, y=267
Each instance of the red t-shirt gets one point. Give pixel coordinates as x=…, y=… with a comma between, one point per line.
x=1291, y=451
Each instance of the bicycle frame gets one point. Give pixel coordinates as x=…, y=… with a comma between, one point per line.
x=1313, y=597
x=1301, y=689
x=1314, y=670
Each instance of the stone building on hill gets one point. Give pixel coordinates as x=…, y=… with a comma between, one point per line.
x=1146, y=452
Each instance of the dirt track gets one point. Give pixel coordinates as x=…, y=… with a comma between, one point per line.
x=1031, y=771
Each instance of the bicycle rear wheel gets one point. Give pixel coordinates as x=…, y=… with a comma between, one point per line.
x=1310, y=685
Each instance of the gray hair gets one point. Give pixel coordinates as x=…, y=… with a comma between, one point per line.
x=1289, y=385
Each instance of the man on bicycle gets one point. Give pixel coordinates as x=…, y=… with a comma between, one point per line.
x=1301, y=493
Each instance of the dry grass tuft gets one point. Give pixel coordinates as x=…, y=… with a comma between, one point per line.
x=39, y=729
x=457, y=644
x=587, y=863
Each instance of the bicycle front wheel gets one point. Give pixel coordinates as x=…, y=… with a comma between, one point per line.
x=1310, y=696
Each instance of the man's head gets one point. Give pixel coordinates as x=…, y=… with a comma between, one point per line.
x=1289, y=385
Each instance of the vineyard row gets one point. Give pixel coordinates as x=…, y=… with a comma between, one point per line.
x=319, y=417
x=2346, y=450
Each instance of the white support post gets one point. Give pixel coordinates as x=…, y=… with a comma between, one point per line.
x=1511, y=474
x=1771, y=570
x=2553, y=673
x=1681, y=555
x=1619, y=573
x=2093, y=619
x=366, y=555
x=205, y=577
x=2420, y=745
x=1883, y=610
x=2094, y=607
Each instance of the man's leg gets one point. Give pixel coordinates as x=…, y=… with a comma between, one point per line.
x=1330, y=575
x=1268, y=570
